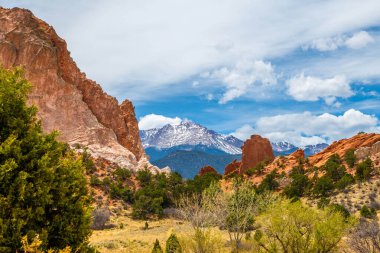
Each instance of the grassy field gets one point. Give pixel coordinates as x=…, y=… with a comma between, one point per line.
x=130, y=236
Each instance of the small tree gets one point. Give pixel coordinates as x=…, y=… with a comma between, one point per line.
x=364, y=169
x=173, y=245
x=323, y=186
x=367, y=212
x=350, y=157
x=157, y=247
x=241, y=210
x=43, y=188
x=291, y=227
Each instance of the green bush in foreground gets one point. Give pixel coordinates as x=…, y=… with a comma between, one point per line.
x=42, y=185
x=172, y=245
x=292, y=227
x=157, y=247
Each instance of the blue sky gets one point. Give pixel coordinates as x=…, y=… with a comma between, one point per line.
x=301, y=71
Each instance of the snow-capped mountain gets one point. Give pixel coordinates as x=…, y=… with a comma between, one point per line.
x=313, y=149
x=189, y=133
x=283, y=147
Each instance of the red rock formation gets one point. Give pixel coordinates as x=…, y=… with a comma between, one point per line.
x=66, y=99
x=255, y=150
x=340, y=147
x=299, y=153
x=233, y=167
x=207, y=169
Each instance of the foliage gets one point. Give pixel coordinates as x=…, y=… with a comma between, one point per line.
x=157, y=247
x=364, y=169
x=206, y=241
x=122, y=174
x=334, y=168
x=269, y=183
x=323, y=186
x=367, y=212
x=200, y=183
x=145, y=206
x=291, y=227
x=345, y=181
x=173, y=245
x=300, y=183
x=340, y=209
x=43, y=189
x=88, y=162
x=350, y=157
x=241, y=210
x=157, y=192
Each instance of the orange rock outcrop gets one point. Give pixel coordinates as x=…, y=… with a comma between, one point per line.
x=255, y=150
x=233, y=167
x=67, y=100
x=207, y=169
x=341, y=146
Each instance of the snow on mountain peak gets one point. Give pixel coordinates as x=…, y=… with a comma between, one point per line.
x=189, y=133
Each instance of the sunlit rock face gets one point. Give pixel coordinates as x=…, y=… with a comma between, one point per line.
x=66, y=99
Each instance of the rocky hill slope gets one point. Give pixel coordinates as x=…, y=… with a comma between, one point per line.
x=67, y=100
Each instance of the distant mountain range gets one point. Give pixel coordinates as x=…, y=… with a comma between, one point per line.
x=188, y=146
x=189, y=133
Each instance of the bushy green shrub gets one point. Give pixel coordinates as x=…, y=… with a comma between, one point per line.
x=350, y=157
x=345, y=181
x=157, y=247
x=323, y=186
x=367, y=212
x=298, y=186
x=43, y=188
x=173, y=245
x=269, y=183
x=364, y=169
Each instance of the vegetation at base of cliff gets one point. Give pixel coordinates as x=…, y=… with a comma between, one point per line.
x=43, y=189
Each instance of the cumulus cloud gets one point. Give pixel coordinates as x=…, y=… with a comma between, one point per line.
x=359, y=40
x=243, y=132
x=242, y=77
x=133, y=47
x=305, y=128
x=309, y=88
x=356, y=41
x=156, y=121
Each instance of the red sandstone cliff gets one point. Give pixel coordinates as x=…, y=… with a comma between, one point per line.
x=255, y=150
x=66, y=99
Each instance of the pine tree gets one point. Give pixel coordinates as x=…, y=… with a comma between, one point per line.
x=42, y=185
x=156, y=247
x=173, y=245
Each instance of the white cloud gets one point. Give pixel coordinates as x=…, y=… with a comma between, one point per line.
x=242, y=77
x=156, y=121
x=326, y=44
x=244, y=132
x=133, y=47
x=309, y=88
x=356, y=41
x=359, y=40
x=305, y=128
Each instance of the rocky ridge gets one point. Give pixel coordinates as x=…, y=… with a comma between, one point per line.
x=67, y=101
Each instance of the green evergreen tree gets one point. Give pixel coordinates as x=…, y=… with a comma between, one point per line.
x=173, y=245
x=364, y=169
x=156, y=247
x=42, y=185
x=350, y=158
